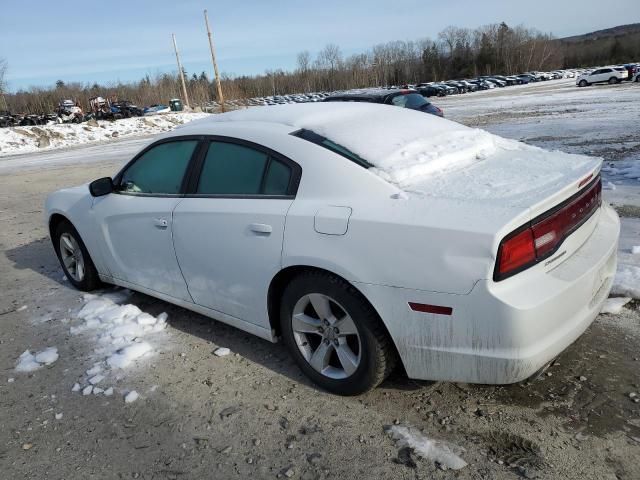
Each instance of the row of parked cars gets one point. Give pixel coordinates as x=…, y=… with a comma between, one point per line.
x=611, y=74
x=429, y=89
x=69, y=111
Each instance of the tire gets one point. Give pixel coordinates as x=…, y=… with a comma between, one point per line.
x=346, y=363
x=583, y=83
x=613, y=80
x=67, y=243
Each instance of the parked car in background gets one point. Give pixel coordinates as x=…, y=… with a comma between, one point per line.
x=6, y=119
x=459, y=86
x=632, y=70
x=450, y=89
x=431, y=91
x=526, y=78
x=399, y=97
x=128, y=109
x=497, y=82
x=609, y=75
x=156, y=109
x=465, y=284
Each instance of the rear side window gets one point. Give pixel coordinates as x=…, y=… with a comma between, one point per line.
x=313, y=137
x=160, y=170
x=232, y=169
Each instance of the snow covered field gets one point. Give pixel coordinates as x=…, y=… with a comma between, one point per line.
x=182, y=396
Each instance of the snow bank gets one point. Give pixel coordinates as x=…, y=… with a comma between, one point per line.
x=615, y=305
x=627, y=281
x=29, y=362
x=407, y=146
x=47, y=137
x=446, y=454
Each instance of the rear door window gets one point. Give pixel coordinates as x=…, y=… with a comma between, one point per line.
x=233, y=169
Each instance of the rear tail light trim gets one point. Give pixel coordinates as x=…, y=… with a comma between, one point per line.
x=546, y=243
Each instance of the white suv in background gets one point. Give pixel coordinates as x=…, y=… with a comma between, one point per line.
x=602, y=75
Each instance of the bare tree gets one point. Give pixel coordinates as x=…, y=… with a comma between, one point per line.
x=4, y=66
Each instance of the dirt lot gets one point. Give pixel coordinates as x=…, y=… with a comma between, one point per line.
x=252, y=413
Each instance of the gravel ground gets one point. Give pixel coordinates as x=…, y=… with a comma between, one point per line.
x=252, y=413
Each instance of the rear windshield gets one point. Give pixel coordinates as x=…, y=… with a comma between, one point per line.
x=313, y=137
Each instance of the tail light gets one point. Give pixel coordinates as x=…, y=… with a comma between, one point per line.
x=540, y=238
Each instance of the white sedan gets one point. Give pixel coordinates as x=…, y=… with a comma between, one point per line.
x=361, y=235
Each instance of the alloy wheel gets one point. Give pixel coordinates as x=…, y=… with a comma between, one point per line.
x=72, y=258
x=326, y=336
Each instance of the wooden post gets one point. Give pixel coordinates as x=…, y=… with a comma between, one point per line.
x=181, y=72
x=215, y=65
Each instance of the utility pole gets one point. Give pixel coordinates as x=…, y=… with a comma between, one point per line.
x=215, y=65
x=181, y=72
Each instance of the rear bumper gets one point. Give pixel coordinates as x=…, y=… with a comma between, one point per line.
x=503, y=332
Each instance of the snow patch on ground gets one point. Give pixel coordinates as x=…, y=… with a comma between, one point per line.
x=221, y=352
x=123, y=336
x=131, y=397
x=29, y=362
x=614, y=305
x=446, y=454
x=627, y=281
x=48, y=137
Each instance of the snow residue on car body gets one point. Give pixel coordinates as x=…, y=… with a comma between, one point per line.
x=26, y=139
x=446, y=454
x=434, y=156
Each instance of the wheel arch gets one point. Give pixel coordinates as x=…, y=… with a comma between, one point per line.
x=55, y=220
x=286, y=275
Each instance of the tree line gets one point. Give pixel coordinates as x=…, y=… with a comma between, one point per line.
x=455, y=53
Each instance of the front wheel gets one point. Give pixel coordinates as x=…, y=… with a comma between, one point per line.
x=583, y=83
x=334, y=334
x=74, y=258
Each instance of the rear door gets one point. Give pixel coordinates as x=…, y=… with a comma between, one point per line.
x=228, y=231
x=135, y=220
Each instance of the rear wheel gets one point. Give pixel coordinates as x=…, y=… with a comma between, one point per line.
x=74, y=258
x=334, y=334
x=613, y=80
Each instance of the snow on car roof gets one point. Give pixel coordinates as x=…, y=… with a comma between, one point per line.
x=405, y=146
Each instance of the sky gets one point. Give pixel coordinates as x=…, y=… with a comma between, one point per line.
x=108, y=41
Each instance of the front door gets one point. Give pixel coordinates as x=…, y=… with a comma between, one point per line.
x=136, y=219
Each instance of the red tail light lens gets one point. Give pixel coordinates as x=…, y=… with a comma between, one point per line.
x=540, y=238
x=516, y=251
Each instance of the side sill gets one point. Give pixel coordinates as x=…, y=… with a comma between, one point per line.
x=251, y=328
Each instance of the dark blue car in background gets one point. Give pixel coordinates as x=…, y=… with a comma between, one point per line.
x=407, y=98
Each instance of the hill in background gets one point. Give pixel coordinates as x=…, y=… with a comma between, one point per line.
x=612, y=45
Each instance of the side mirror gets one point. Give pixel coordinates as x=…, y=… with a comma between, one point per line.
x=100, y=187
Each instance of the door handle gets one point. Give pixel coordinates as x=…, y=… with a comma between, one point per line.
x=261, y=228
x=160, y=222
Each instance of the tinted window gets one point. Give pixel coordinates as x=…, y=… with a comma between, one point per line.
x=313, y=137
x=160, y=169
x=231, y=169
x=276, y=182
x=410, y=100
